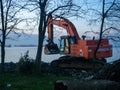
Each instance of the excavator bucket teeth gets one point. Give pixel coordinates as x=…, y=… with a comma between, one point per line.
x=51, y=49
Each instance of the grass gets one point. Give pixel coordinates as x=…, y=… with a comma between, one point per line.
x=29, y=82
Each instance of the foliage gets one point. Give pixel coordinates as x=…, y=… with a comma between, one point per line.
x=26, y=64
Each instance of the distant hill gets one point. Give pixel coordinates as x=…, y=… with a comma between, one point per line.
x=24, y=40
x=32, y=40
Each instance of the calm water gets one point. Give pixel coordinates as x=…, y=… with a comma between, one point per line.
x=14, y=53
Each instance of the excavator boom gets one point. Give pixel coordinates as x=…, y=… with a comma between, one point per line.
x=51, y=47
x=64, y=23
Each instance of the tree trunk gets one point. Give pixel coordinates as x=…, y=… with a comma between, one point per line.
x=2, y=55
x=39, y=54
x=41, y=30
x=39, y=50
x=3, y=38
x=101, y=30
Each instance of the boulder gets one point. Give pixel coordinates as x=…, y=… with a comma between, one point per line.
x=86, y=85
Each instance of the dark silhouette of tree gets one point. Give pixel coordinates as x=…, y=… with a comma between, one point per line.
x=108, y=19
x=46, y=8
x=9, y=21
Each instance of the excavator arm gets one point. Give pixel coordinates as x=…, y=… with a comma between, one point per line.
x=51, y=47
x=64, y=23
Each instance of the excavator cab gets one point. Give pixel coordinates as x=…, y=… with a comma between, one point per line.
x=65, y=43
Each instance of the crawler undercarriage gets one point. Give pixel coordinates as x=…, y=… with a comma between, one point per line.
x=72, y=62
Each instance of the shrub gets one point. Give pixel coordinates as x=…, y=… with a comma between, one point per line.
x=26, y=64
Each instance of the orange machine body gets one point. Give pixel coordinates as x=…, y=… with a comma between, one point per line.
x=82, y=47
x=86, y=48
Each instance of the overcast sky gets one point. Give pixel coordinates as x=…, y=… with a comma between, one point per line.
x=82, y=23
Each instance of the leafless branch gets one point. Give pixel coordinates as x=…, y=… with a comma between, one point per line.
x=113, y=28
x=106, y=12
x=13, y=26
x=114, y=38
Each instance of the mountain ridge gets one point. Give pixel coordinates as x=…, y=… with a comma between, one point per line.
x=25, y=40
x=31, y=40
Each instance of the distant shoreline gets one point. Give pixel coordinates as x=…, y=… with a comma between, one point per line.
x=32, y=45
x=20, y=46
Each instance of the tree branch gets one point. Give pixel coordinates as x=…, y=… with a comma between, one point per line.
x=109, y=8
x=60, y=7
x=13, y=26
x=114, y=28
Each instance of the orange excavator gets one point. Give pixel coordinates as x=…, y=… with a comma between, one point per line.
x=78, y=52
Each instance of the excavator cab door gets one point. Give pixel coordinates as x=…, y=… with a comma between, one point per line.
x=65, y=44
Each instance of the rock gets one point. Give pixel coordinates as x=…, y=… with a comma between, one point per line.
x=86, y=85
x=110, y=72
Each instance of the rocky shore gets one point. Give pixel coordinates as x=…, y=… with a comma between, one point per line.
x=107, y=78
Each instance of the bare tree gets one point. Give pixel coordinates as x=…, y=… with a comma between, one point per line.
x=108, y=19
x=46, y=8
x=103, y=16
x=9, y=20
x=3, y=38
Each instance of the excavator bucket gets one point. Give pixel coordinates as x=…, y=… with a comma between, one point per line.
x=51, y=49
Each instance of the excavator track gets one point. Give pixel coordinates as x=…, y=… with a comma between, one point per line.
x=72, y=62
